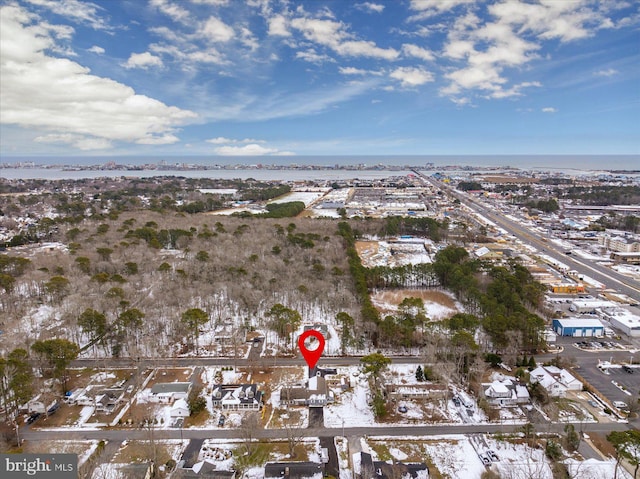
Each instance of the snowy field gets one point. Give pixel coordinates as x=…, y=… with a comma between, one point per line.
x=307, y=197
x=437, y=304
x=397, y=253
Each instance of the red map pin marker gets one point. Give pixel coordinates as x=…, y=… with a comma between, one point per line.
x=311, y=356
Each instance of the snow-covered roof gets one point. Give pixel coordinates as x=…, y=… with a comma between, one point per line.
x=549, y=376
x=180, y=404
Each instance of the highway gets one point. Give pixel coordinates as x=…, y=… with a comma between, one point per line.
x=610, y=278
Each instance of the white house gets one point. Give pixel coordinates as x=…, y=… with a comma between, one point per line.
x=555, y=381
x=505, y=391
x=180, y=408
x=169, y=392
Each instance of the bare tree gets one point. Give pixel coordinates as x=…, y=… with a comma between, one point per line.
x=249, y=425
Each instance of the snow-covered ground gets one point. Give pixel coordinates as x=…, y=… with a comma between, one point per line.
x=458, y=456
x=351, y=406
x=397, y=253
x=307, y=197
x=435, y=310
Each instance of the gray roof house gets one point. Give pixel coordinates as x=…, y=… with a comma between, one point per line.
x=237, y=396
x=314, y=394
x=293, y=470
x=169, y=392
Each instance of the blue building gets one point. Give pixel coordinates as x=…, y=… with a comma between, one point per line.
x=578, y=327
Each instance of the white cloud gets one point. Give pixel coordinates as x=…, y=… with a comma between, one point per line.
x=417, y=52
x=549, y=109
x=278, y=26
x=609, y=72
x=366, y=49
x=251, y=149
x=61, y=97
x=78, y=141
x=216, y=30
x=563, y=20
x=142, y=60
x=332, y=34
x=211, y=2
x=483, y=50
x=96, y=49
x=83, y=12
x=370, y=7
x=312, y=56
x=221, y=140
x=248, y=40
x=515, y=90
x=429, y=8
x=172, y=10
x=352, y=71
x=410, y=76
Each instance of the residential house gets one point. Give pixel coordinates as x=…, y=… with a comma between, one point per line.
x=237, y=396
x=203, y=470
x=423, y=391
x=314, y=393
x=180, y=408
x=167, y=393
x=505, y=391
x=370, y=469
x=293, y=470
x=555, y=381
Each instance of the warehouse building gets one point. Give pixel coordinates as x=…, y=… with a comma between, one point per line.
x=578, y=327
x=623, y=320
x=589, y=305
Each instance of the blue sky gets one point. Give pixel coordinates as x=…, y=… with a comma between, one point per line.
x=277, y=77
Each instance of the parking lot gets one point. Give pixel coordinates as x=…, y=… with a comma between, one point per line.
x=603, y=382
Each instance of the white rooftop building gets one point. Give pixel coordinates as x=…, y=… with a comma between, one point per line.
x=555, y=381
x=505, y=391
x=625, y=320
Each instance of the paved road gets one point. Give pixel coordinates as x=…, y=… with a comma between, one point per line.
x=606, y=276
x=427, y=430
x=325, y=362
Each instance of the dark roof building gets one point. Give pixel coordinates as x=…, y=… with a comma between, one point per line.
x=293, y=470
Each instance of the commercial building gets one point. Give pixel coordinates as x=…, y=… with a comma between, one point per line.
x=578, y=327
x=589, y=305
x=619, y=244
x=624, y=320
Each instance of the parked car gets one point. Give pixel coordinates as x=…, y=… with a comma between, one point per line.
x=402, y=409
x=456, y=401
x=221, y=420
x=485, y=459
x=53, y=408
x=628, y=369
x=33, y=418
x=492, y=454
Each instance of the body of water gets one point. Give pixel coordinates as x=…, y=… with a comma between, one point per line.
x=570, y=164
x=260, y=175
